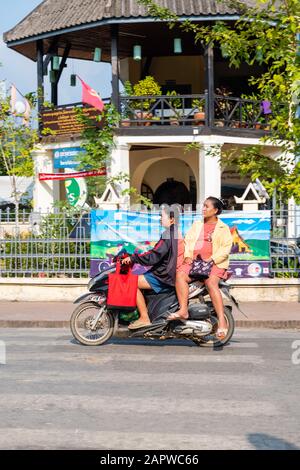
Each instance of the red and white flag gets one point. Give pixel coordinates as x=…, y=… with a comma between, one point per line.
x=90, y=96
x=20, y=107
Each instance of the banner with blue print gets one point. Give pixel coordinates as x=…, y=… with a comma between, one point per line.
x=136, y=231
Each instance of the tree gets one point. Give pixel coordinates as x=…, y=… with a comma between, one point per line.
x=17, y=140
x=265, y=34
x=98, y=141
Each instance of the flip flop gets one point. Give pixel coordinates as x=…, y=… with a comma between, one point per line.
x=138, y=324
x=176, y=316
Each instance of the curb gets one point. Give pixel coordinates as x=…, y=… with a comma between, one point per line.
x=34, y=324
x=275, y=324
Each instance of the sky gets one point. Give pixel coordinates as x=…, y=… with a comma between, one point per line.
x=21, y=71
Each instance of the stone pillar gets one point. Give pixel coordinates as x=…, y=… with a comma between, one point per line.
x=119, y=165
x=209, y=172
x=292, y=222
x=45, y=193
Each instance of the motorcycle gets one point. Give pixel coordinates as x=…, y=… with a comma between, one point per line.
x=92, y=324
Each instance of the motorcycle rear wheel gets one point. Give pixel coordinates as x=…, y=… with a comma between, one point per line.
x=81, y=320
x=211, y=341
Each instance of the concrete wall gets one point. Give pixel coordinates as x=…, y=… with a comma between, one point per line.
x=245, y=290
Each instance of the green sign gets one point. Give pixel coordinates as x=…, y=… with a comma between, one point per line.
x=76, y=190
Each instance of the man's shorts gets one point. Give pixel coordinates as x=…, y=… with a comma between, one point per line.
x=157, y=285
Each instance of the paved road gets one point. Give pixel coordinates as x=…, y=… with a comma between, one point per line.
x=57, y=394
x=57, y=314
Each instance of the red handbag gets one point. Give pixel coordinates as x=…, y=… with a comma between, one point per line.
x=122, y=290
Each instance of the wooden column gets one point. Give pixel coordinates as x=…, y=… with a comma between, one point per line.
x=54, y=89
x=40, y=78
x=209, y=81
x=114, y=65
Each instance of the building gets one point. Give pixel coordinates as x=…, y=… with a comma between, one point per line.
x=150, y=146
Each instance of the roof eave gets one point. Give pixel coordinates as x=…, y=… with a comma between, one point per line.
x=108, y=21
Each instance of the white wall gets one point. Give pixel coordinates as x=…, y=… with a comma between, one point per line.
x=155, y=165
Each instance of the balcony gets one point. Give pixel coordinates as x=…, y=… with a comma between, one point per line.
x=181, y=113
x=175, y=115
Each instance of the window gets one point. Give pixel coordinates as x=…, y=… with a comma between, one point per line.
x=147, y=192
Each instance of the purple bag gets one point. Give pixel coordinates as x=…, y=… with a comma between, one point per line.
x=201, y=268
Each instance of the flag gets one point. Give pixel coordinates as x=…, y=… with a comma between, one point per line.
x=90, y=96
x=13, y=99
x=20, y=107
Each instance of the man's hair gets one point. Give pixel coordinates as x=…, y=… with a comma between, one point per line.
x=172, y=212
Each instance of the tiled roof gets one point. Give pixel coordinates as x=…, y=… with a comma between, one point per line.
x=55, y=15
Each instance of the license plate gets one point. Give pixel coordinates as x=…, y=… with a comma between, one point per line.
x=97, y=298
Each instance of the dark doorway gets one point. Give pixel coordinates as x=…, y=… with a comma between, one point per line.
x=172, y=192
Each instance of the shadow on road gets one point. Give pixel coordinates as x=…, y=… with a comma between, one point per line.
x=152, y=343
x=267, y=442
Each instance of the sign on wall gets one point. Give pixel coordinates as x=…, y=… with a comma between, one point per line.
x=113, y=230
x=67, y=157
x=64, y=120
x=76, y=190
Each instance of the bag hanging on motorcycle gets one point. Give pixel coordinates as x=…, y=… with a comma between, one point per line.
x=122, y=290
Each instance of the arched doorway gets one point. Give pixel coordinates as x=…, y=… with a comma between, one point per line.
x=172, y=192
x=171, y=180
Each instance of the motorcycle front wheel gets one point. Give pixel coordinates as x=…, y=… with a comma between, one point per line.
x=211, y=340
x=83, y=326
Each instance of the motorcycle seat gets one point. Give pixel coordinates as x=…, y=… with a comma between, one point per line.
x=167, y=290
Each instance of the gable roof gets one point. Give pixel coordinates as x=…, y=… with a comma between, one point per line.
x=57, y=15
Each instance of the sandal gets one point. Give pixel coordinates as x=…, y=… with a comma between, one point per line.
x=138, y=324
x=176, y=316
x=221, y=333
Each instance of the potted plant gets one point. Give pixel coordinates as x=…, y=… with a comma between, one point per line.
x=126, y=114
x=223, y=107
x=176, y=106
x=250, y=111
x=146, y=87
x=199, y=114
x=259, y=123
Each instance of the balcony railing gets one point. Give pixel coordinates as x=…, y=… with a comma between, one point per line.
x=163, y=111
x=193, y=110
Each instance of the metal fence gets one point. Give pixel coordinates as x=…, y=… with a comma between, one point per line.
x=44, y=245
x=58, y=244
x=285, y=241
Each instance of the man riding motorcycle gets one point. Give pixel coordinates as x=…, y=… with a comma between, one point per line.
x=164, y=260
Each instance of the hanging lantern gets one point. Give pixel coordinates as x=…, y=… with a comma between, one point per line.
x=52, y=76
x=224, y=51
x=55, y=63
x=97, y=54
x=137, y=52
x=73, y=80
x=259, y=55
x=177, y=46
